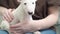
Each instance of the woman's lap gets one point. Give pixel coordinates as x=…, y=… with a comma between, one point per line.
x=46, y=31
x=3, y=32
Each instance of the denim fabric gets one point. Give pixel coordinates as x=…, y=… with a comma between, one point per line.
x=46, y=31
x=3, y=32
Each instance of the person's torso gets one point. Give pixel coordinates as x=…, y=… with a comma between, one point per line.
x=41, y=10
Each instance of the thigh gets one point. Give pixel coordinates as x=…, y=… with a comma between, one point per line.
x=3, y=32
x=48, y=31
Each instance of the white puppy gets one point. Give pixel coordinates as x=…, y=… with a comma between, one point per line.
x=23, y=12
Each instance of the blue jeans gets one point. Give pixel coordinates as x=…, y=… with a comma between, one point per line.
x=3, y=32
x=46, y=31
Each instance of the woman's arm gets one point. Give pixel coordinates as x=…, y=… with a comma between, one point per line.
x=49, y=21
x=2, y=9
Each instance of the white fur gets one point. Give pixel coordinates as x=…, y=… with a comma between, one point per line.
x=20, y=14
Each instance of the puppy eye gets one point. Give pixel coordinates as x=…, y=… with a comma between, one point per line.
x=32, y=2
x=25, y=3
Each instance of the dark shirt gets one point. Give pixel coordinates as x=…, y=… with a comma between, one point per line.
x=41, y=10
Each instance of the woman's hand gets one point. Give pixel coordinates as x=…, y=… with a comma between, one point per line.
x=7, y=15
x=24, y=27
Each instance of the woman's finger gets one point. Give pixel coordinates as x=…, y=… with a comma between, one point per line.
x=13, y=32
x=16, y=30
x=10, y=15
x=16, y=25
x=5, y=17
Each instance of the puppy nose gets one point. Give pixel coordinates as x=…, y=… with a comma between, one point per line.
x=30, y=13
